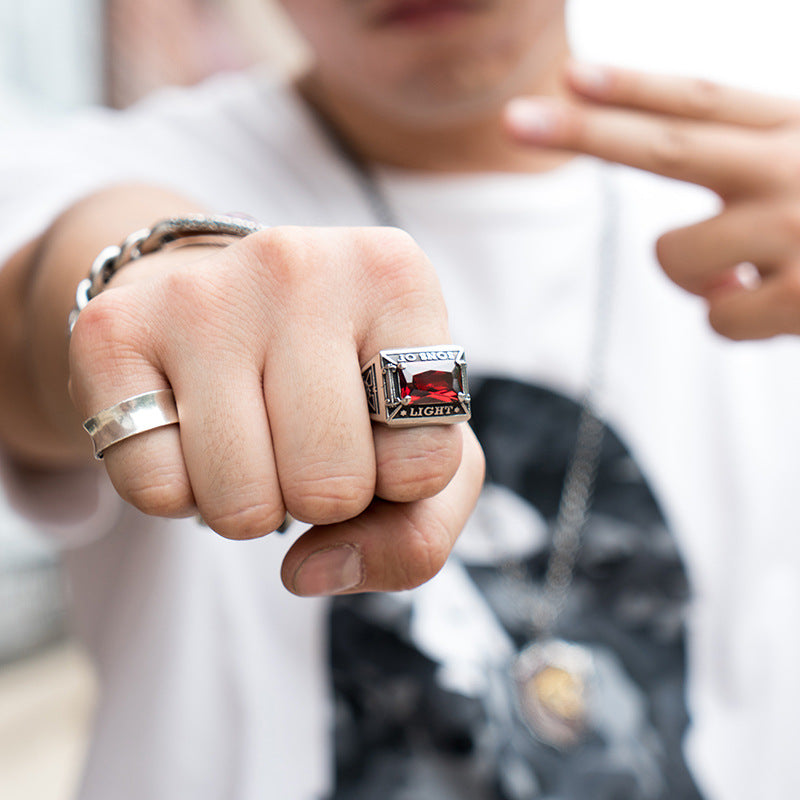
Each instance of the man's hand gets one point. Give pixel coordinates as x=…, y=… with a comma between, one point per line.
x=261, y=343
x=742, y=145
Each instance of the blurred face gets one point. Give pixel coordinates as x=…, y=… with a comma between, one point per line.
x=431, y=61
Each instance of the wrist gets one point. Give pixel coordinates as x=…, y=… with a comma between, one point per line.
x=166, y=234
x=155, y=264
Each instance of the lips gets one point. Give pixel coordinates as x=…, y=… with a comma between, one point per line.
x=423, y=12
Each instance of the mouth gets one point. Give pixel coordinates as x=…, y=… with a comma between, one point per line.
x=424, y=13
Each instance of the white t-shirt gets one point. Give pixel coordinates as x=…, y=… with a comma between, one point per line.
x=214, y=679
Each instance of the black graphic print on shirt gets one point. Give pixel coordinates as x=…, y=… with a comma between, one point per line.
x=424, y=702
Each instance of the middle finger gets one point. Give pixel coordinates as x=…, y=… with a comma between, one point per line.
x=725, y=159
x=320, y=426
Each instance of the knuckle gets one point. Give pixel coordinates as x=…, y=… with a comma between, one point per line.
x=325, y=499
x=159, y=492
x=407, y=474
x=673, y=251
x=395, y=261
x=703, y=99
x=721, y=322
x=244, y=522
x=300, y=269
x=416, y=477
x=790, y=292
x=277, y=243
x=789, y=220
x=105, y=324
x=667, y=251
x=728, y=320
x=188, y=290
x=388, y=238
x=285, y=253
x=473, y=456
x=574, y=128
x=780, y=163
x=670, y=148
x=106, y=347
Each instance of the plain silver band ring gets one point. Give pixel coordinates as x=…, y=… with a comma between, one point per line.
x=138, y=414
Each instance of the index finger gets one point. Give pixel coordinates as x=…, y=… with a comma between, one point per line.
x=723, y=158
x=690, y=98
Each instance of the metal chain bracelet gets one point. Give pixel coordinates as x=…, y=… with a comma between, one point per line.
x=194, y=228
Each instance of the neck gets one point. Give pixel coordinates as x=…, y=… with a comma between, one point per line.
x=478, y=143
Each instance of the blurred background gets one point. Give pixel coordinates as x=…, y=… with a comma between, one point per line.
x=57, y=56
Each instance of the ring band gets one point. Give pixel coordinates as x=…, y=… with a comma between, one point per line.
x=418, y=386
x=138, y=414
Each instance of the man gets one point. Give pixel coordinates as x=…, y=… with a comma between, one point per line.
x=214, y=681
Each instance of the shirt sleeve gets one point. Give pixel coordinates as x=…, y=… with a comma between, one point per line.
x=71, y=508
x=45, y=168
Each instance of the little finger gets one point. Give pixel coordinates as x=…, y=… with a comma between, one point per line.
x=414, y=463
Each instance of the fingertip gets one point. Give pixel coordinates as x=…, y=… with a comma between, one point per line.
x=530, y=118
x=748, y=275
x=744, y=277
x=591, y=79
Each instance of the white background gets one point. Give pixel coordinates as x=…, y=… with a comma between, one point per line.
x=751, y=43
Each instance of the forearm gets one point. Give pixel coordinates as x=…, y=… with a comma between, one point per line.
x=38, y=424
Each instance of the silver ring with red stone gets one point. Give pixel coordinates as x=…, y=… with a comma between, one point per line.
x=418, y=386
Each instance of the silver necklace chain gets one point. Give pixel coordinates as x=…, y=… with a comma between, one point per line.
x=577, y=492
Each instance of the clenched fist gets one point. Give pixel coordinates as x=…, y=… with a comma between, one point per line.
x=261, y=343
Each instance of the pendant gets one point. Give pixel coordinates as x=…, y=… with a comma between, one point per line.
x=553, y=680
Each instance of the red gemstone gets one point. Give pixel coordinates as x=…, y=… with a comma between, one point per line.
x=430, y=386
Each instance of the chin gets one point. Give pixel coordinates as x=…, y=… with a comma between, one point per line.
x=433, y=62
x=440, y=105
x=455, y=90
